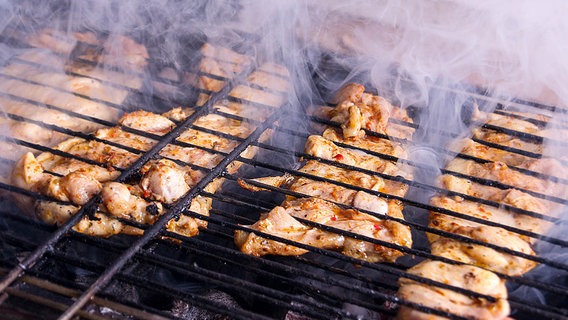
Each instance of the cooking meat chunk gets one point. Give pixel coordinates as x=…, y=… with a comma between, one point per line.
x=446, y=300
x=125, y=201
x=478, y=150
x=63, y=92
x=116, y=50
x=326, y=149
x=216, y=61
x=165, y=181
x=281, y=222
x=507, y=140
x=476, y=254
x=500, y=172
x=371, y=143
x=508, y=122
x=334, y=192
x=358, y=110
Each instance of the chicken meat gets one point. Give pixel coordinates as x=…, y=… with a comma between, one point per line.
x=282, y=221
x=332, y=202
x=163, y=181
x=467, y=277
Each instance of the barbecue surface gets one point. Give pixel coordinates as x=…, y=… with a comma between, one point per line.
x=54, y=271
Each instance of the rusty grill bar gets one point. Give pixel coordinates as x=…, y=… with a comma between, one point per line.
x=321, y=285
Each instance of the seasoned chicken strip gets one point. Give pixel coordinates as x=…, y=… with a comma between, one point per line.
x=280, y=222
x=506, y=140
x=478, y=150
x=500, y=172
x=358, y=110
x=371, y=143
x=326, y=149
x=331, y=191
x=476, y=254
x=446, y=300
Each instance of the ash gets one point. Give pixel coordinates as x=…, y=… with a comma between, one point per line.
x=183, y=310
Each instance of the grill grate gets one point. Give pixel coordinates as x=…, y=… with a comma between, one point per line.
x=322, y=284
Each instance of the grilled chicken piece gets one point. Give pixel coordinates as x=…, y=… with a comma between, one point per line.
x=281, y=222
x=117, y=50
x=529, y=129
x=165, y=181
x=371, y=143
x=446, y=300
x=216, y=61
x=358, y=110
x=478, y=150
x=506, y=122
x=162, y=181
x=500, y=172
x=339, y=193
x=507, y=140
x=523, y=122
x=62, y=91
x=477, y=254
x=396, y=232
x=326, y=149
x=512, y=197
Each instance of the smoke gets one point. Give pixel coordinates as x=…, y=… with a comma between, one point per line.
x=407, y=50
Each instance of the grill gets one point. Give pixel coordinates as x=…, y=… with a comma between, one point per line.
x=53, y=271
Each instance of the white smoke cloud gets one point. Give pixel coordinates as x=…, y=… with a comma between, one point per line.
x=515, y=48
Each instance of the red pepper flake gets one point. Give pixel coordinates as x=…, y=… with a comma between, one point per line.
x=146, y=194
x=338, y=156
x=377, y=226
x=333, y=218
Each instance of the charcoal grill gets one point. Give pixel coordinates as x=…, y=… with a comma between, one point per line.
x=52, y=272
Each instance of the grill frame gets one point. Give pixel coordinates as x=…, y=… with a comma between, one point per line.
x=137, y=251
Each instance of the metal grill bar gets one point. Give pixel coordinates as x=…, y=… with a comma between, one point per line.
x=541, y=106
